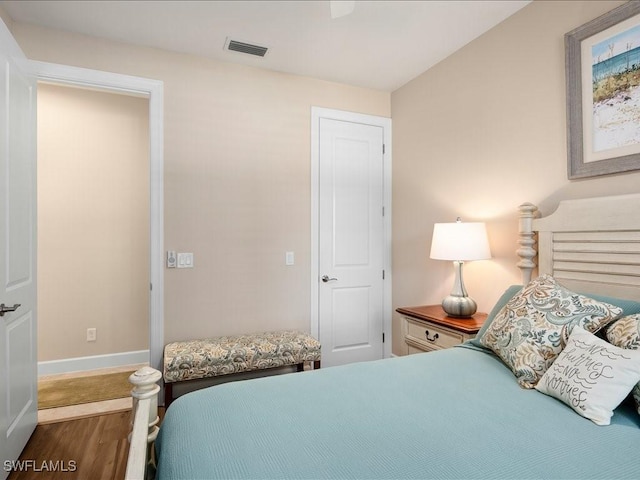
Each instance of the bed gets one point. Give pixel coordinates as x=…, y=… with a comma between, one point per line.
x=475, y=411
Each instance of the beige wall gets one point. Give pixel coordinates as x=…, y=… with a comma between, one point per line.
x=93, y=222
x=477, y=135
x=4, y=16
x=237, y=178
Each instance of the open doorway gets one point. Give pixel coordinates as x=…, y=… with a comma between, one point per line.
x=153, y=91
x=93, y=229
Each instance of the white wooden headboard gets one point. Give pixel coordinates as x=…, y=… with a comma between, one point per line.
x=589, y=245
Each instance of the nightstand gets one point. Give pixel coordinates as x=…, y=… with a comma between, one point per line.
x=428, y=328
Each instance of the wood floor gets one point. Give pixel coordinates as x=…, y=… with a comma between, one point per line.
x=87, y=441
x=87, y=448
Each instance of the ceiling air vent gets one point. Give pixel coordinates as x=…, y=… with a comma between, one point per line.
x=247, y=48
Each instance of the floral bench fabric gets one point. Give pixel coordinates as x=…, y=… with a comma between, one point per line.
x=211, y=357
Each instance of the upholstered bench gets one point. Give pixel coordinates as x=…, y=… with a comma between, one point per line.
x=211, y=357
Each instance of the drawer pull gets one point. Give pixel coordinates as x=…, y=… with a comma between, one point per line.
x=431, y=339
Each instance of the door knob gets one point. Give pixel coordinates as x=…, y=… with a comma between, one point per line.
x=4, y=309
x=326, y=279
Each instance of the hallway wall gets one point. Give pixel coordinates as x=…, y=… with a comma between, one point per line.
x=93, y=222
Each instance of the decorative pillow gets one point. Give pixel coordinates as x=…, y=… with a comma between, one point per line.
x=591, y=376
x=502, y=301
x=531, y=329
x=625, y=333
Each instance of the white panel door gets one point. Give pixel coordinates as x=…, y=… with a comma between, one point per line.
x=18, y=360
x=351, y=242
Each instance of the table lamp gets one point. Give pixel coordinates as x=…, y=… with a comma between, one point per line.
x=459, y=242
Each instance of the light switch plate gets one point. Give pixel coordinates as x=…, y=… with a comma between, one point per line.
x=289, y=258
x=185, y=260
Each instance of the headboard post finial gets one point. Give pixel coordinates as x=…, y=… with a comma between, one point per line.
x=527, y=241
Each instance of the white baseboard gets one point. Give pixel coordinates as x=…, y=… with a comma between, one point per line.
x=77, y=364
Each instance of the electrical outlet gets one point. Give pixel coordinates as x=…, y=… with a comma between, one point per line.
x=92, y=334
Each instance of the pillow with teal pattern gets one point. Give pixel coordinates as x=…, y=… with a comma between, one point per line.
x=532, y=328
x=592, y=376
x=502, y=301
x=629, y=307
x=625, y=333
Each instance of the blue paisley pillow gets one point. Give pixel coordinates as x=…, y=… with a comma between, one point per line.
x=531, y=330
x=625, y=333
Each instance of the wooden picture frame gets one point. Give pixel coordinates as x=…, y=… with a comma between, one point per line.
x=602, y=135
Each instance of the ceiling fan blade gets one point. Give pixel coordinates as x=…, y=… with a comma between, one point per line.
x=341, y=8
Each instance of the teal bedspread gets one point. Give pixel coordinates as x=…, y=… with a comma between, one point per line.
x=455, y=413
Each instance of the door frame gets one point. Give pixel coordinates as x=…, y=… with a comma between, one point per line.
x=154, y=91
x=385, y=123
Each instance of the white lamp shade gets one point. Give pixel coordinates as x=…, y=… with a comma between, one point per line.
x=460, y=241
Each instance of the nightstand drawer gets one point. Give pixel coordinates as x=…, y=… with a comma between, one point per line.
x=413, y=350
x=428, y=327
x=432, y=336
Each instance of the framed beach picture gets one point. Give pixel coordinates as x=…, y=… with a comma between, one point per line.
x=602, y=61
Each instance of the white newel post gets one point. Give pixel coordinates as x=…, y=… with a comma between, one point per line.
x=527, y=241
x=144, y=419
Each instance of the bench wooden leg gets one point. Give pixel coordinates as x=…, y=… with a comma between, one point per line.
x=168, y=394
x=300, y=366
